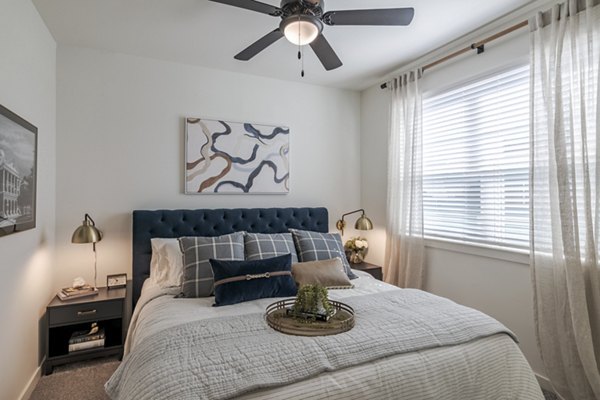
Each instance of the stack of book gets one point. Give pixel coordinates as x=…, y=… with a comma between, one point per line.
x=75, y=293
x=84, y=340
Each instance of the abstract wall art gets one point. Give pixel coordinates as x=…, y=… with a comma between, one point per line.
x=235, y=157
x=18, y=173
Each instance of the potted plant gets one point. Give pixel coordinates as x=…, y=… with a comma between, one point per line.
x=312, y=304
x=356, y=249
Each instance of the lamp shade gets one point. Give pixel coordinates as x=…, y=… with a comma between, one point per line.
x=301, y=30
x=86, y=232
x=363, y=223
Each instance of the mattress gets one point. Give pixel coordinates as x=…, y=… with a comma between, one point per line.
x=490, y=367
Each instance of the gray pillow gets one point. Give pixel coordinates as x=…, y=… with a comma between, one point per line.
x=327, y=273
x=198, y=278
x=317, y=246
x=268, y=245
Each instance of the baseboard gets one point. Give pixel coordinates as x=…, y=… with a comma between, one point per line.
x=33, y=381
x=544, y=382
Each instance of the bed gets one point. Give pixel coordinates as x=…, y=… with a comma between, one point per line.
x=406, y=344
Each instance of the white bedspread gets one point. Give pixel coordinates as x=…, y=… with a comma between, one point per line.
x=487, y=368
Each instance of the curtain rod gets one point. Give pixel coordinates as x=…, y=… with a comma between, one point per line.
x=479, y=46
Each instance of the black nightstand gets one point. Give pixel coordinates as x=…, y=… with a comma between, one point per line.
x=110, y=309
x=372, y=269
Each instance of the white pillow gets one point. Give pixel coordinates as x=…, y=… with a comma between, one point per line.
x=166, y=265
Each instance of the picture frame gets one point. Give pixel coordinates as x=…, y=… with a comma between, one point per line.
x=228, y=157
x=116, y=281
x=18, y=173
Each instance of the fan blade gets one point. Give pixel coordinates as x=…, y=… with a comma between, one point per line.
x=323, y=50
x=253, y=6
x=390, y=16
x=259, y=45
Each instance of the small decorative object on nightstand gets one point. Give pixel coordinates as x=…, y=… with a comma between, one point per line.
x=356, y=249
x=116, y=281
x=105, y=317
x=374, y=270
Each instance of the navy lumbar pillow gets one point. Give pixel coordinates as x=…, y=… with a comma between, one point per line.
x=239, y=281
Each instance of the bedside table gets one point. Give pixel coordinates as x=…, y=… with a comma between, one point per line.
x=374, y=270
x=110, y=309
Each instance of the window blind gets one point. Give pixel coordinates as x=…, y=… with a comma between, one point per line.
x=476, y=161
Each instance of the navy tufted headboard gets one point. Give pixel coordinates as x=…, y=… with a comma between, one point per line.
x=205, y=222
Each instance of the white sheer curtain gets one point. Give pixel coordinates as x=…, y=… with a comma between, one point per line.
x=565, y=195
x=404, y=254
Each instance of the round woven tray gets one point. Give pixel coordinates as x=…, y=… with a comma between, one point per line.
x=341, y=321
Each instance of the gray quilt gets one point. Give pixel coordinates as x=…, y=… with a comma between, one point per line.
x=226, y=357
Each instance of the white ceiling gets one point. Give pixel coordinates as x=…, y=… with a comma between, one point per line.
x=208, y=34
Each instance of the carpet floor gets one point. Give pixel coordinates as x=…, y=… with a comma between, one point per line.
x=77, y=381
x=86, y=381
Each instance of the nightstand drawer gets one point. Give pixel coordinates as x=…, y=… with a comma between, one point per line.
x=91, y=311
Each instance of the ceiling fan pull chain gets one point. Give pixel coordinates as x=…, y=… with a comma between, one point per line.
x=302, y=73
x=300, y=50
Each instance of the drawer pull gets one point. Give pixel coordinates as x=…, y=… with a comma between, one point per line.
x=84, y=313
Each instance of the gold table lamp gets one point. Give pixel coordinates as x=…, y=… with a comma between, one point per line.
x=88, y=233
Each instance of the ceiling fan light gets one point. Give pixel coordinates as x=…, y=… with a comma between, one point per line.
x=301, y=32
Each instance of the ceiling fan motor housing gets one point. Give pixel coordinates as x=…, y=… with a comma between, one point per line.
x=302, y=7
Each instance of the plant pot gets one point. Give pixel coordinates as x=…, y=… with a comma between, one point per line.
x=356, y=257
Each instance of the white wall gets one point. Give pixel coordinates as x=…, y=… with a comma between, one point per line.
x=28, y=88
x=494, y=282
x=120, y=145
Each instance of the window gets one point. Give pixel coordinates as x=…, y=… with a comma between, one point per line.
x=476, y=161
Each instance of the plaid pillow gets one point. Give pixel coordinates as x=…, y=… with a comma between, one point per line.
x=317, y=246
x=198, y=278
x=264, y=245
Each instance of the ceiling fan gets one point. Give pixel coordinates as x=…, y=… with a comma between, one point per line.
x=302, y=23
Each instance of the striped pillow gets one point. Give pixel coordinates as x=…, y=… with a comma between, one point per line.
x=267, y=245
x=317, y=246
x=198, y=278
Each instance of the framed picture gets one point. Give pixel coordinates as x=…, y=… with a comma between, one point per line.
x=236, y=157
x=18, y=173
x=116, y=281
